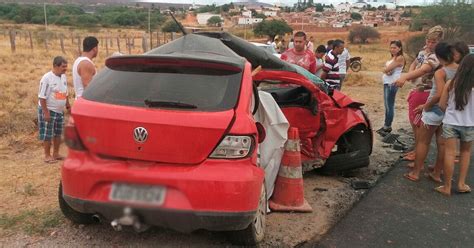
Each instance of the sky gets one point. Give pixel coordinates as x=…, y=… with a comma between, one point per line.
x=287, y=2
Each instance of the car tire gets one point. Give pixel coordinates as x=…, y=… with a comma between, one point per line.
x=356, y=66
x=71, y=214
x=360, y=142
x=255, y=232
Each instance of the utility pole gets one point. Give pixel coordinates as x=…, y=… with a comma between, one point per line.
x=149, y=20
x=45, y=17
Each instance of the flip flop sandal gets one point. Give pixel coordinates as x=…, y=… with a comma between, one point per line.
x=407, y=176
x=464, y=190
x=432, y=178
x=409, y=158
x=50, y=161
x=440, y=190
x=59, y=158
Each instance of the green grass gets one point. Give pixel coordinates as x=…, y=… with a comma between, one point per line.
x=32, y=222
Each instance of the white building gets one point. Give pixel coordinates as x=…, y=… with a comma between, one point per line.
x=249, y=21
x=203, y=17
x=247, y=13
x=343, y=7
x=270, y=13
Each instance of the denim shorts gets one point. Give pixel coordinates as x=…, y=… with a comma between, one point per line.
x=465, y=134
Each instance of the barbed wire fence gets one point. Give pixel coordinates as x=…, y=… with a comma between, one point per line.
x=71, y=43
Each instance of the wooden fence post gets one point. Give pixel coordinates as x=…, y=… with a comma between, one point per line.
x=31, y=40
x=151, y=39
x=61, y=41
x=12, y=40
x=107, y=46
x=144, y=43
x=158, y=42
x=111, y=41
x=128, y=44
x=118, y=44
x=46, y=41
x=79, y=44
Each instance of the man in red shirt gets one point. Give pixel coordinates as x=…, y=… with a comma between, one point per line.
x=299, y=55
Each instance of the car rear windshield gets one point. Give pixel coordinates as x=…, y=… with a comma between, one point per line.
x=204, y=89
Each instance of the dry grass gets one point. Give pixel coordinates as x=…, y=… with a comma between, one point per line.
x=29, y=187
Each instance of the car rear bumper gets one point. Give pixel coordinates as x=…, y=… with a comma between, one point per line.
x=182, y=221
x=215, y=195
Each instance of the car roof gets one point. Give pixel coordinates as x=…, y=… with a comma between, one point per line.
x=254, y=54
x=198, y=47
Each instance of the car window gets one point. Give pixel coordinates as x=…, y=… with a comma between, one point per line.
x=206, y=89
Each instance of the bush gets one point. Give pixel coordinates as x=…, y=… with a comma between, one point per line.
x=414, y=44
x=356, y=16
x=362, y=34
x=272, y=28
x=170, y=26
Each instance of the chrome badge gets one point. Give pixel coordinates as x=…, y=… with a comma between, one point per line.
x=140, y=134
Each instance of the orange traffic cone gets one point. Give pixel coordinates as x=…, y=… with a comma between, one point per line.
x=288, y=195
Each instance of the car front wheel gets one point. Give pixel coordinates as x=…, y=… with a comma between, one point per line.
x=255, y=232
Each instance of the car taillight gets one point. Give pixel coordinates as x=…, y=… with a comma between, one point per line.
x=71, y=137
x=233, y=147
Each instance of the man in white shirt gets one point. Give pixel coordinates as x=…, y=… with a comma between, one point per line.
x=53, y=97
x=310, y=45
x=83, y=69
x=344, y=62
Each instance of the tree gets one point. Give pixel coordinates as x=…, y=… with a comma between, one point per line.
x=272, y=28
x=170, y=26
x=457, y=19
x=356, y=16
x=362, y=34
x=214, y=21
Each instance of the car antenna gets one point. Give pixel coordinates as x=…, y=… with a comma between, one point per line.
x=178, y=23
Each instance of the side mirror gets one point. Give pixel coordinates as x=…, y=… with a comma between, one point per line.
x=261, y=132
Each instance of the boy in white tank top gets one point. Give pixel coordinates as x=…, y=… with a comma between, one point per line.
x=83, y=69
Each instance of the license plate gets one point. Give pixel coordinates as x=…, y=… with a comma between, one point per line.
x=154, y=195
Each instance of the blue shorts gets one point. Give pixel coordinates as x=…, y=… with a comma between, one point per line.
x=465, y=134
x=53, y=128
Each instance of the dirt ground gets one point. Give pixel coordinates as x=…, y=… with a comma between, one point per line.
x=27, y=182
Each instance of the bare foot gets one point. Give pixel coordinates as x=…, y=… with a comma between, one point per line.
x=433, y=177
x=443, y=190
x=411, y=177
x=49, y=160
x=464, y=189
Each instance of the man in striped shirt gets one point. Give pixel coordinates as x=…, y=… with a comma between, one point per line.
x=331, y=66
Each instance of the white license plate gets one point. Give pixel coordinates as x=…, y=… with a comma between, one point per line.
x=154, y=195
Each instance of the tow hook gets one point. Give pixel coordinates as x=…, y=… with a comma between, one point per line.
x=129, y=219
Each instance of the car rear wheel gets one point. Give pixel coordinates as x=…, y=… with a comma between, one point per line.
x=71, y=214
x=255, y=232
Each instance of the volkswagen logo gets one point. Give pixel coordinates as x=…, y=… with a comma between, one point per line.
x=140, y=134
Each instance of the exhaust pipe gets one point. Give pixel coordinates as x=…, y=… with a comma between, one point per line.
x=96, y=218
x=129, y=219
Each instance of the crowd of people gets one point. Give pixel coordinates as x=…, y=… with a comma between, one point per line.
x=329, y=63
x=441, y=103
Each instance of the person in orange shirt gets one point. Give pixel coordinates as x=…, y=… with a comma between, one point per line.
x=53, y=98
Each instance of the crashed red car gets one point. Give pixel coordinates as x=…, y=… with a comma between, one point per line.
x=167, y=138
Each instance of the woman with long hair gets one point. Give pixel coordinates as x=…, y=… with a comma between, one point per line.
x=458, y=123
x=392, y=71
x=432, y=116
x=421, y=72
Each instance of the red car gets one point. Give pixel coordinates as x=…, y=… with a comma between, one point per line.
x=167, y=138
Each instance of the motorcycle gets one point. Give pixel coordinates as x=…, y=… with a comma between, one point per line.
x=355, y=64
